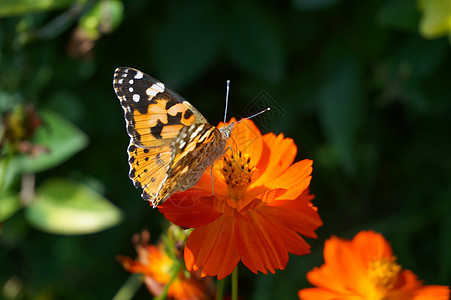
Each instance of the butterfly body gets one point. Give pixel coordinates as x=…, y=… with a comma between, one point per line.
x=171, y=143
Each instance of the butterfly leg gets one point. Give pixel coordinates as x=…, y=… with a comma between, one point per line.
x=212, y=185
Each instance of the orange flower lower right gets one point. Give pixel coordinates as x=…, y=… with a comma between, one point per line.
x=365, y=268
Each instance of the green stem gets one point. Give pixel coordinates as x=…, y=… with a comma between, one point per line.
x=164, y=293
x=220, y=289
x=129, y=288
x=235, y=284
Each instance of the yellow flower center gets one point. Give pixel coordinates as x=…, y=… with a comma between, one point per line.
x=237, y=171
x=383, y=274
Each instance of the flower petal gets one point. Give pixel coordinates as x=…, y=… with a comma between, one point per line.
x=261, y=244
x=247, y=138
x=295, y=179
x=278, y=154
x=212, y=248
x=296, y=214
x=432, y=292
x=371, y=245
x=324, y=294
x=189, y=209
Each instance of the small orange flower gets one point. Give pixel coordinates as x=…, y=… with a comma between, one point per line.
x=158, y=268
x=365, y=268
x=259, y=208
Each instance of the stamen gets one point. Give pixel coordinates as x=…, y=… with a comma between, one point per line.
x=383, y=273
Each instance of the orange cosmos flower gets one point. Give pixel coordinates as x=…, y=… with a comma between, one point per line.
x=158, y=269
x=260, y=206
x=365, y=268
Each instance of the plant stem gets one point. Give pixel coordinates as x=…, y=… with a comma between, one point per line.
x=220, y=289
x=235, y=284
x=129, y=288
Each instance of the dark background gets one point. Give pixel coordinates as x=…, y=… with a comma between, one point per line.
x=359, y=89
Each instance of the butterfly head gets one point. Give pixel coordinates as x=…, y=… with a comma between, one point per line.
x=226, y=130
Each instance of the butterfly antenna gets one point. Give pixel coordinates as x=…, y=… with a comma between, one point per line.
x=254, y=115
x=227, y=100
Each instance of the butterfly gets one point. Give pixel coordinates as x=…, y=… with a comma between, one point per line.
x=171, y=143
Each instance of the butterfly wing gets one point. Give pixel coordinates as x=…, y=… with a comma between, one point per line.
x=155, y=116
x=196, y=148
x=148, y=168
x=154, y=113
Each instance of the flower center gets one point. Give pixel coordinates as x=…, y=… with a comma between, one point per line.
x=237, y=171
x=383, y=273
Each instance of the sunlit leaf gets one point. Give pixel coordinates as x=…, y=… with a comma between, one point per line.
x=436, y=18
x=65, y=207
x=9, y=204
x=59, y=137
x=10, y=8
x=102, y=18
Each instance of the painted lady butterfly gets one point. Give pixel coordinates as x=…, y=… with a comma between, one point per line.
x=171, y=143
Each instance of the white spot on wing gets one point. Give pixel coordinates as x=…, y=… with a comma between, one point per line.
x=130, y=81
x=199, y=129
x=120, y=81
x=136, y=97
x=159, y=86
x=139, y=75
x=155, y=89
x=130, y=89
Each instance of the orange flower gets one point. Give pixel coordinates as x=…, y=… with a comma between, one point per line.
x=365, y=268
x=158, y=268
x=260, y=206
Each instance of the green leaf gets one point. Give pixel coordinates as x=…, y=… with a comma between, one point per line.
x=65, y=207
x=9, y=204
x=61, y=138
x=435, y=21
x=10, y=8
x=103, y=17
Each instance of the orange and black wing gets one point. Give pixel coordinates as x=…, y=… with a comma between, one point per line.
x=155, y=115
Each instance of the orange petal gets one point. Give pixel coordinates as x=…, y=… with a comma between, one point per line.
x=188, y=210
x=432, y=292
x=294, y=214
x=342, y=271
x=371, y=245
x=246, y=137
x=325, y=294
x=261, y=244
x=212, y=248
x=278, y=154
x=219, y=185
x=295, y=179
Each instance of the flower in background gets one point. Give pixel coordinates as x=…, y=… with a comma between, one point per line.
x=365, y=268
x=161, y=268
x=256, y=210
x=436, y=18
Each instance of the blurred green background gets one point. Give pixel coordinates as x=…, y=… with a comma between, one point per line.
x=363, y=87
